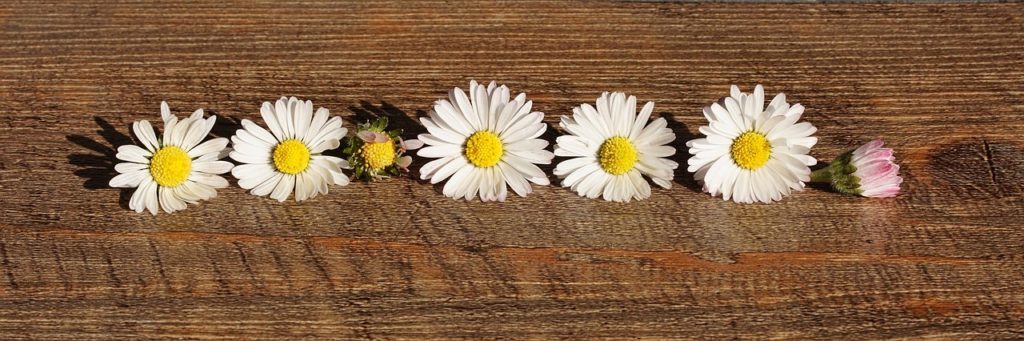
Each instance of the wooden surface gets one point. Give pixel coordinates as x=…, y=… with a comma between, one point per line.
x=941, y=83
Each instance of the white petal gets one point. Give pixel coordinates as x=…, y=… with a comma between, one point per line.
x=412, y=144
x=526, y=122
x=332, y=130
x=527, y=145
x=165, y=111
x=451, y=118
x=515, y=180
x=428, y=169
x=133, y=153
x=283, y=188
x=466, y=108
x=319, y=120
x=657, y=151
x=257, y=132
x=570, y=145
x=529, y=170
x=664, y=183
x=185, y=194
x=528, y=132
x=144, y=132
x=266, y=187
x=587, y=114
x=285, y=117
x=441, y=150
x=169, y=130
x=269, y=114
x=441, y=132
x=252, y=149
x=167, y=201
x=593, y=186
x=127, y=167
x=727, y=182
x=303, y=118
x=214, y=181
x=513, y=111
x=536, y=156
x=302, y=191
x=641, y=120
x=456, y=186
x=610, y=192
x=481, y=105
x=340, y=179
x=571, y=165
x=249, y=158
x=212, y=167
x=641, y=190
x=198, y=190
x=150, y=198
x=137, y=202
x=130, y=179
x=211, y=146
x=251, y=175
x=449, y=168
x=325, y=145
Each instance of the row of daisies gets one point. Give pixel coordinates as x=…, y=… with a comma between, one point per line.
x=485, y=142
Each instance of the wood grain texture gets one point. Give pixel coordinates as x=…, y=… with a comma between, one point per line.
x=941, y=83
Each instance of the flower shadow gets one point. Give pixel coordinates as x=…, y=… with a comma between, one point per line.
x=226, y=125
x=682, y=154
x=96, y=162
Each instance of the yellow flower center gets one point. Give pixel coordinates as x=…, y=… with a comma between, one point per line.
x=291, y=156
x=484, y=149
x=750, y=150
x=378, y=154
x=617, y=155
x=170, y=166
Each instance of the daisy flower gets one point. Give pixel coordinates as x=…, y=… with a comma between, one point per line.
x=610, y=147
x=484, y=142
x=868, y=171
x=173, y=170
x=752, y=153
x=288, y=158
x=373, y=153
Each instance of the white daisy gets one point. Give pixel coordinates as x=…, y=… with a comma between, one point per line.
x=752, y=153
x=288, y=157
x=610, y=147
x=484, y=142
x=176, y=169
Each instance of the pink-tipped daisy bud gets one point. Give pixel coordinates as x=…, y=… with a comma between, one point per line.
x=869, y=171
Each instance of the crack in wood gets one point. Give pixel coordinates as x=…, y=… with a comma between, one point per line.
x=222, y=283
x=61, y=272
x=245, y=263
x=318, y=264
x=111, y=273
x=991, y=165
x=281, y=269
x=158, y=261
x=7, y=267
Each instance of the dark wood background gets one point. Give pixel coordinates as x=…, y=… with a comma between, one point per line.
x=941, y=83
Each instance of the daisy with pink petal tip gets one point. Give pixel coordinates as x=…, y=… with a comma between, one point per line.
x=868, y=171
x=376, y=153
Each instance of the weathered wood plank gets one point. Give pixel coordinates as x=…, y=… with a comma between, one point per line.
x=939, y=82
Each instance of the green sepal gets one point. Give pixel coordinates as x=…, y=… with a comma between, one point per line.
x=840, y=174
